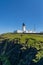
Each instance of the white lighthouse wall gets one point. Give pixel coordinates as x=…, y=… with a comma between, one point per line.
x=24, y=28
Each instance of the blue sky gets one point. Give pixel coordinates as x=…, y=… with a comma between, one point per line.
x=14, y=12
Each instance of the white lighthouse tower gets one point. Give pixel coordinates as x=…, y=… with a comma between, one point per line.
x=23, y=28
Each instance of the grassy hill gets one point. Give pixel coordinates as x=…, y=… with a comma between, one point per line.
x=21, y=49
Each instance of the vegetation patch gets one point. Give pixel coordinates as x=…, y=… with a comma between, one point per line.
x=21, y=49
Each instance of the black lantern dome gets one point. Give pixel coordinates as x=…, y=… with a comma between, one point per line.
x=23, y=24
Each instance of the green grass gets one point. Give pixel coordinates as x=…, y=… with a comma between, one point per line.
x=11, y=36
x=34, y=40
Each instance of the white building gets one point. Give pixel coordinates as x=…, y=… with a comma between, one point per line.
x=24, y=30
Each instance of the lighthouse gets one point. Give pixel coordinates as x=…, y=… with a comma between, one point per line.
x=23, y=27
x=24, y=30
